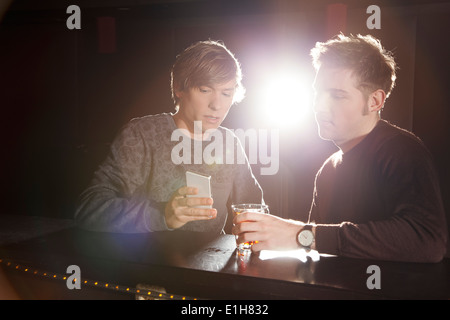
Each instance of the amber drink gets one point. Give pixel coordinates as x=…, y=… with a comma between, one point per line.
x=248, y=207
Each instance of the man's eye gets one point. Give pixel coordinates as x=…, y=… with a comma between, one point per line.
x=204, y=90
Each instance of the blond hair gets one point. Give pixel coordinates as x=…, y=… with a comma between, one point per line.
x=206, y=63
x=374, y=67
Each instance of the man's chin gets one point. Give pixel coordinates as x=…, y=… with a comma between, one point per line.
x=210, y=126
x=325, y=135
x=205, y=127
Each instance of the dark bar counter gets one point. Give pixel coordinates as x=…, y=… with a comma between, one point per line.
x=36, y=252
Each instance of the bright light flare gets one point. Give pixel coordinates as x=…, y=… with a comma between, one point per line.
x=300, y=254
x=286, y=99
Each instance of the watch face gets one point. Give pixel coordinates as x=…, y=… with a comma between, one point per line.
x=306, y=238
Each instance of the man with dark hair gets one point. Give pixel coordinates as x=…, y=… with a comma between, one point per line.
x=378, y=196
x=140, y=188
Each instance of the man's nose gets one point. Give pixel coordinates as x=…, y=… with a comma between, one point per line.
x=215, y=102
x=319, y=103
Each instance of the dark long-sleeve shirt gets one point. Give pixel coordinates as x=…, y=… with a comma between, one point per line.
x=131, y=187
x=380, y=200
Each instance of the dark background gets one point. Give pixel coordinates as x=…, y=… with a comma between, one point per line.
x=66, y=93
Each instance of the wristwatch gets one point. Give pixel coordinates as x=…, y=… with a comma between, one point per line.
x=305, y=237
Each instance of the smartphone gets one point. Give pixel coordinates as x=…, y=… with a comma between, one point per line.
x=202, y=183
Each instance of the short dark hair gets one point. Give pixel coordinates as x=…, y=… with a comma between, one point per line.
x=206, y=63
x=374, y=67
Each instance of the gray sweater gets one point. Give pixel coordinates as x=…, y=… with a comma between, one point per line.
x=131, y=187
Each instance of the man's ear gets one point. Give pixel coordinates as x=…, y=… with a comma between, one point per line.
x=376, y=100
x=179, y=94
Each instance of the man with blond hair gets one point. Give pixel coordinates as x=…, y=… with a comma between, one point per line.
x=139, y=188
x=378, y=196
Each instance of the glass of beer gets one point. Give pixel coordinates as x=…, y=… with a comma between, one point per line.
x=248, y=207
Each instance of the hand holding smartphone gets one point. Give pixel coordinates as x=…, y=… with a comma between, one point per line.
x=202, y=183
